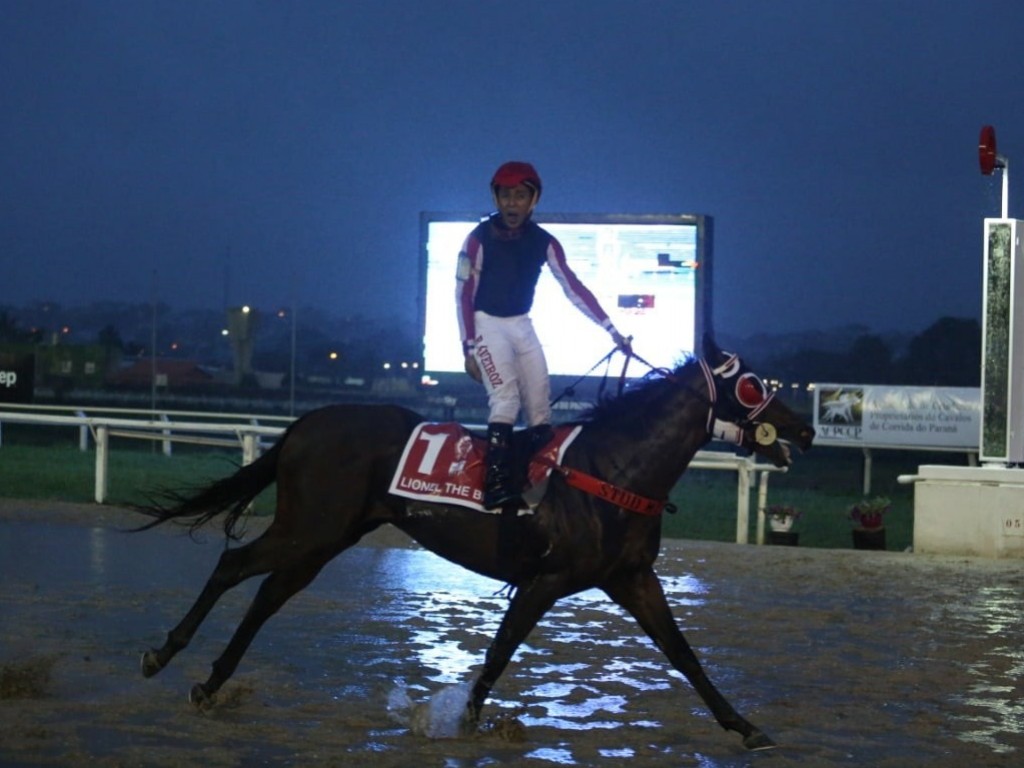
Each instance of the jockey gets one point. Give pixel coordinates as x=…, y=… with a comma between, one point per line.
x=498, y=269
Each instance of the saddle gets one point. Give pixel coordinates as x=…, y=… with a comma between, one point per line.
x=443, y=463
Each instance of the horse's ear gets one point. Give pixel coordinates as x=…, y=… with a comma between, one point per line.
x=711, y=349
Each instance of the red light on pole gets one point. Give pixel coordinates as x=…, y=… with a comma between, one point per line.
x=989, y=159
x=987, y=156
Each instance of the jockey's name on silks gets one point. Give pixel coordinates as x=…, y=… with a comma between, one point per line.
x=443, y=463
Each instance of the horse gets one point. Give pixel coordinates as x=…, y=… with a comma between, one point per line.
x=333, y=467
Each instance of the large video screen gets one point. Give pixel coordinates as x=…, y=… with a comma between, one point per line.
x=651, y=273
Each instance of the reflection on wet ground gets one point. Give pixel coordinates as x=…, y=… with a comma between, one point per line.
x=993, y=700
x=845, y=658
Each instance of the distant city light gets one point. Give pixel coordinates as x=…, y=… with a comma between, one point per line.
x=387, y=366
x=332, y=355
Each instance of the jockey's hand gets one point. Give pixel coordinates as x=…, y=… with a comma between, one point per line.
x=624, y=343
x=473, y=369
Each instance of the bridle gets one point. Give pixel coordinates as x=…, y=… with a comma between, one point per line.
x=749, y=391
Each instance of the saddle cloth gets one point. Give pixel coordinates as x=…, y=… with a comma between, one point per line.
x=445, y=464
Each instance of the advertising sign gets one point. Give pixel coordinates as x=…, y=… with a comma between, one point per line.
x=17, y=372
x=895, y=416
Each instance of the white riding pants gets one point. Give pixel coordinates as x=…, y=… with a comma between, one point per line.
x=514, y=369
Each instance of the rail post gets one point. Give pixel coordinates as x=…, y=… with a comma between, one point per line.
x=250, y=447
x=83, y=433
x=743, y=503
x=166, y=443
x=762, y=503
x=102, y=461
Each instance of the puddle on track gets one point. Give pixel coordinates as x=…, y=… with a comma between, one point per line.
x=844, y=659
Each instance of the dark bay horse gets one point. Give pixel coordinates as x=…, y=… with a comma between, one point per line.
x=333, y=467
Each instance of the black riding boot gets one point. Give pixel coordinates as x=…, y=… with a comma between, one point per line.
x=498, y=490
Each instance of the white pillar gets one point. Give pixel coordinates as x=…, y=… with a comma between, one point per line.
x=1002, y=351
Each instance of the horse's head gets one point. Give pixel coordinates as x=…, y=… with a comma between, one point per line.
x=742, y=398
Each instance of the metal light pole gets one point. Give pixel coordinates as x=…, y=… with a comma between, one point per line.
x=152, y=352
x=291, y=386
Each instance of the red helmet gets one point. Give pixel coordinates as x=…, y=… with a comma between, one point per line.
x=514, y=173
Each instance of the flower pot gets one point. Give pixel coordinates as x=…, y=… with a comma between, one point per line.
x=868, y=539
x=784, y=538
x=870, y=521
x=781, y=524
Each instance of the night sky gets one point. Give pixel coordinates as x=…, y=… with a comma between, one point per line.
x=281, y=152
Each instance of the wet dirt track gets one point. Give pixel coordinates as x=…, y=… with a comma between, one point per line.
x=843, y=657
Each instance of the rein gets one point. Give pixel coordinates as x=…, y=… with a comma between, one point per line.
x=709, y=376
x=571, y=389
x=620, y=497
x=594, y=486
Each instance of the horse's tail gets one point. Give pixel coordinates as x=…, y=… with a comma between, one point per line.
x=232, y=494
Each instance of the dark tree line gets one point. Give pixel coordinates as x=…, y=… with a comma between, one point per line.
x=11, y=331
x=322, y=343
x=947, y=353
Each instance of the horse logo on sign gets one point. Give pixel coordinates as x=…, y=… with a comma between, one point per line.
x=841, y=406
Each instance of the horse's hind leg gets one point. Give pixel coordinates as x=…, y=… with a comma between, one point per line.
x=234, y=567
x=273, y=593
x=641, y=594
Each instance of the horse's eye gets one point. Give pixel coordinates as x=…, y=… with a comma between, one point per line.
x=750, y=390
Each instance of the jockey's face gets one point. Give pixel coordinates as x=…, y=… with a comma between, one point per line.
x=514, y=204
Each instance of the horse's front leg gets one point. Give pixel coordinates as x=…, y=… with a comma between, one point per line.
x=529, y=603
x=641, y=594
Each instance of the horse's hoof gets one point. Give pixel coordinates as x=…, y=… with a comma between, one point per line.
x=150, y=664
x=757, y=740
x=468, y=726
x=199, y=698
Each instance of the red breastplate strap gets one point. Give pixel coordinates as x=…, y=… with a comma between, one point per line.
x=620, y=497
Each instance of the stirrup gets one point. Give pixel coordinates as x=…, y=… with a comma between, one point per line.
x=496, y=498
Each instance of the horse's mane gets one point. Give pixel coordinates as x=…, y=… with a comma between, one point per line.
x=626, y=412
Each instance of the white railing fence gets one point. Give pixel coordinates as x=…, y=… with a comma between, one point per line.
x=215, y=430
x=247, y=431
